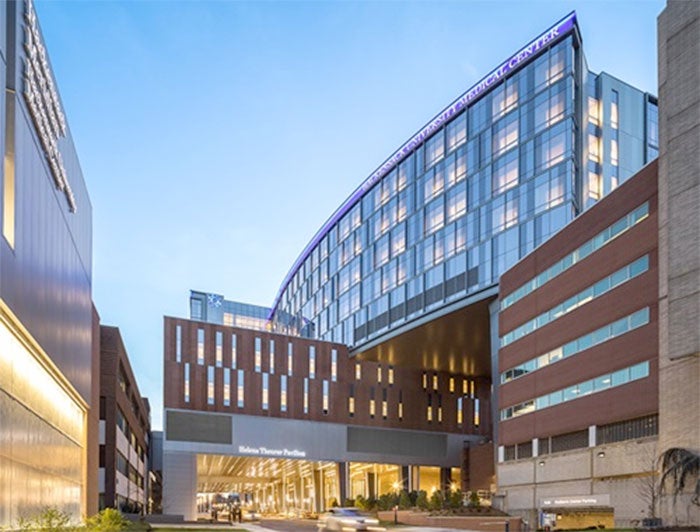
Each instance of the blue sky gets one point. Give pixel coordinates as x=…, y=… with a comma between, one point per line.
x=217, y=137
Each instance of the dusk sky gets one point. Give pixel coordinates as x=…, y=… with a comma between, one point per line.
x=217, y=137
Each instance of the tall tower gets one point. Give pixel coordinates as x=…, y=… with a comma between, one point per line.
x=679, y=239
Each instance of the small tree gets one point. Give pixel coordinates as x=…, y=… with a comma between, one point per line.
x=648, y=487
x=678, y=468
x=456, y=499
x=404, y=500
x=422, y=500
x=474, y=501
x=437, y=500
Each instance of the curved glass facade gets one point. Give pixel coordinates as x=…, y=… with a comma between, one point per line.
x=460, y=207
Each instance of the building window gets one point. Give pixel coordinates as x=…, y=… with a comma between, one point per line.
x=228, y=319
x=452, y=384
x=385, y=407
x=312, y=362
x=334, y=365
x=283, y=393
x=233, y=351
x=425, y=380
x=272, y=357
x=631, y=429
x=607, y=235
x=210, y=385
x=614, y=116
x=372, y=405
x=506, y=134
x=227, y=387
x=460, y=411
x=434, y=215
x=200, y=346
x=187, y=382
x=429, y=410
x=505, y=173
x=290, y=358
x=265, y=391
x=614, y=160
x=590, y=293
x=258, y=355
x=196, y=309
x=358, y=371
x=306, y=395
x=582, y=343
x=576, y=391
x=400, y=406
x=439, y=411
x=593, y=111
x=351, y=401
x=456, y=132
x=434, y=149
x=178, y=343
x=326, y=392
x=379, y=374
x=435, y=381
x=593, y=148
x=477, y=417
x=219, y=349
x=240, y=391
x=390, y=377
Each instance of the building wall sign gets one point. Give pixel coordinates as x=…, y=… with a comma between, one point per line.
x=264, y=451
x=575, y=501
x=43, y=102
x=553, y=34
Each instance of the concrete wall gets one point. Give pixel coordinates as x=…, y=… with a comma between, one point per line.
x=617, y=470
x=679, y=237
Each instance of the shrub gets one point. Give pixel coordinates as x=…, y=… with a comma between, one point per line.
x=422, y=500
x=474, y=501
x=405, y=500
x=108, y=520
x=437, y=500
x=456, y=498
x=50, y=520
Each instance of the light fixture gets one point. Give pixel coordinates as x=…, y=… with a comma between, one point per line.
x=601, y=454
x=541, y=463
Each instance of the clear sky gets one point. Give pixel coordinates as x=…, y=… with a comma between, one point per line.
x=217, y=137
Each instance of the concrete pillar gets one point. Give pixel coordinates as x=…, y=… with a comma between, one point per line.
x=318, y=501
x=404, y=477
x=343, y=477
x=415, y=478
x=180, y=484
x=445, y=479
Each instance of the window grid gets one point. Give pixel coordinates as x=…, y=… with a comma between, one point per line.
x=598, y=384
x=587, y=341
x=604, y=237
x=605, y=285
x=631, y=429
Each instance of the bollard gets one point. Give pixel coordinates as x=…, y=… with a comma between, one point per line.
x=507, y=526
x=396, y=519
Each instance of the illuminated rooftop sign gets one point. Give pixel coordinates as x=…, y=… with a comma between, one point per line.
x=524, y=55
